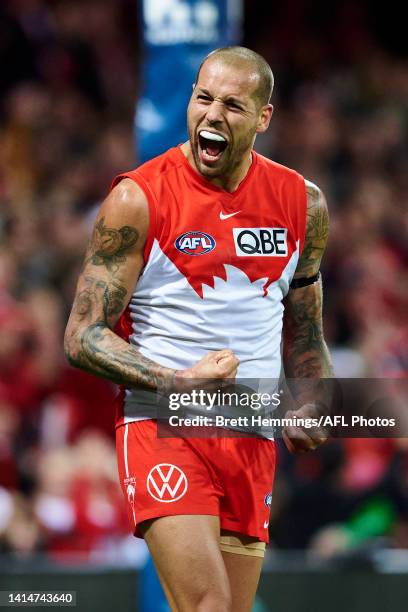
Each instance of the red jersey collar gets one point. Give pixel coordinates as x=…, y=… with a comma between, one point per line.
x=204, y=183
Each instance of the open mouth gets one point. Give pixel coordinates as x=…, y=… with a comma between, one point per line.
x=212, y=146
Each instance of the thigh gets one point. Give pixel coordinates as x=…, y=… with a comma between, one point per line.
x=186, y=553
x=243, y=574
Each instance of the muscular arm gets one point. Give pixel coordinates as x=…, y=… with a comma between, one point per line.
x=304, y=350
x=112, y=266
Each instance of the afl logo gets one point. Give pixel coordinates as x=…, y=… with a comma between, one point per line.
x=195, y=243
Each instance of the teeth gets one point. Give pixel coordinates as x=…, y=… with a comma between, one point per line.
x=211, y=136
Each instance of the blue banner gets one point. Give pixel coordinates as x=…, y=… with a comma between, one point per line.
x=177, y=34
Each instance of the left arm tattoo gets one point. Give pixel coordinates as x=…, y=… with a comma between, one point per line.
x=305, y=352
x=317, y=232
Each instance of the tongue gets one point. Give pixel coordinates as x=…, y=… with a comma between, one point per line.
x=213, y=149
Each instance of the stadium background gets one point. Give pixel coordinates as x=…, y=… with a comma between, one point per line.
x=69, y=81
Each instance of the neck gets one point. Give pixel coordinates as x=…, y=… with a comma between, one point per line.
x=229, y=182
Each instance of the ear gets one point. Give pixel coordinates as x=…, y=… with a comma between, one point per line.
x=264, y=119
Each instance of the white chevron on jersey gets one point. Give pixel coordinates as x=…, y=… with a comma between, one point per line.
x=174, y=326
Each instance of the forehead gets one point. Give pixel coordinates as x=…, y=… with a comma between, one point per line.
x=228, y=79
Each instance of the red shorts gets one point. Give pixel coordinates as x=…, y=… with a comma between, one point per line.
x=227, y=477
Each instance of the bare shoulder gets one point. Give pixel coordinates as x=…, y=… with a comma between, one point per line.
x=128, y=189
x=316, y=202
x=128, y=199
x=317, y=231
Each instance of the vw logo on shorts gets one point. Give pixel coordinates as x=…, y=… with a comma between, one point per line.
x=166, y=483
x=195, y=243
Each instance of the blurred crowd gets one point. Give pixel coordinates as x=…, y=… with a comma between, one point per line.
x=69, y=85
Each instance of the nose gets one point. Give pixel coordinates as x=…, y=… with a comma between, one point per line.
x=215, y=112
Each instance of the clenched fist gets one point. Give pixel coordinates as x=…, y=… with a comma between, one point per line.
x=216, y=364
x=299, y=439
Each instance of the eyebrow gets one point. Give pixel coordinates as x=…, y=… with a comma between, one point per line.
x=204, y=91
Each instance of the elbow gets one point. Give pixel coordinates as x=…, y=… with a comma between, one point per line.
x=71, y=349
x=72, y=359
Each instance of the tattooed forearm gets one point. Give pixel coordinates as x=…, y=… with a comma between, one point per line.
x=120, y=361
x=103, y=353
x=305, y=352
x=94, y=347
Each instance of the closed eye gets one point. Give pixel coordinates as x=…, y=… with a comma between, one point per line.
x=233, y=105
x=203, y=97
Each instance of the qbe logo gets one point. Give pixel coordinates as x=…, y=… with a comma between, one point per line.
x=260, y=241
x=195, y=243
x=166, y=483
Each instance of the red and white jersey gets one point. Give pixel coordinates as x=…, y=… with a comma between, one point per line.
x=217, y=266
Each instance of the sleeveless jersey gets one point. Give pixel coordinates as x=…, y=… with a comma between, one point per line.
x=217, y=266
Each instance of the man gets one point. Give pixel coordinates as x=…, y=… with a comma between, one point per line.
x=198, y=248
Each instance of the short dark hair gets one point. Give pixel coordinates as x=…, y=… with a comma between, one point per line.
x=238, y=54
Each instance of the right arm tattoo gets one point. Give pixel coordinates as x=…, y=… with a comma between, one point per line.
x=111, y=245
x=90, y=342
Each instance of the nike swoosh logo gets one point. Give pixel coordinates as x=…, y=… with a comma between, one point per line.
x=223, y=217
x=266, y=524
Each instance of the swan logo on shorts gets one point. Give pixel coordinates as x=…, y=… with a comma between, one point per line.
x=166, y=483
x=195, y=243
x=130, y=484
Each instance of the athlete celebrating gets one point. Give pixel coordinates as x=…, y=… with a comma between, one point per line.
x=191, y=258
